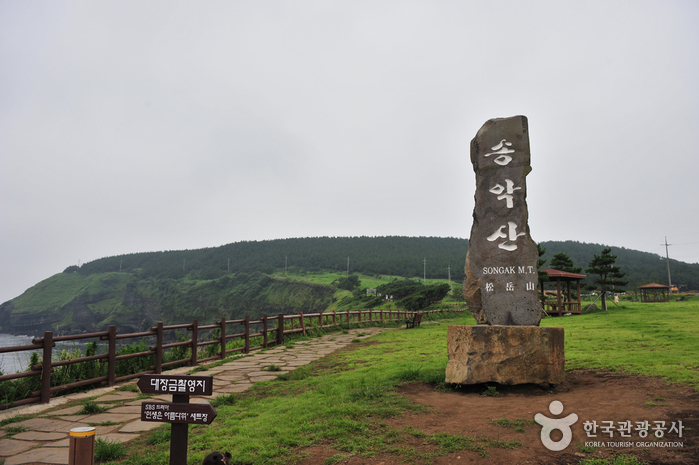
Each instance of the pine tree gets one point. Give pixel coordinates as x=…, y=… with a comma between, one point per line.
x=562, y=262
x=609, y=274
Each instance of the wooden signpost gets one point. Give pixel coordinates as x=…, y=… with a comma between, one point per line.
x=179, y=413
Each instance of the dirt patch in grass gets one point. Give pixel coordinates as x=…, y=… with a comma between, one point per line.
x=593, y=395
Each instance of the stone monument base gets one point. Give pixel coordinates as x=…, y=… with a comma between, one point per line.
x=505, y=355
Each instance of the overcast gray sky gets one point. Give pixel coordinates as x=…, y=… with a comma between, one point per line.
x=142, y=126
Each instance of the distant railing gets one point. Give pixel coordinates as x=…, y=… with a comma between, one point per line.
x=554, y=308
x=285, y=324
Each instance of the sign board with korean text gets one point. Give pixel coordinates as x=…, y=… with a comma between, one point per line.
x=176, y=384
x=501, y=263
x=179, y=413
x=169, y=412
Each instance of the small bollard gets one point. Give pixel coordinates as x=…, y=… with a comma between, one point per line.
x=81, y=448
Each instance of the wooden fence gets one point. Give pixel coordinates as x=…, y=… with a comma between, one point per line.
x=285, y=324
x=561, y=308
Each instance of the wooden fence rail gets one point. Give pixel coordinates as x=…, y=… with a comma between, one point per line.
x=270, y=335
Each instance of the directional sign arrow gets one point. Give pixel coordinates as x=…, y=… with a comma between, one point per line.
x=176, y=384
x=168, y=412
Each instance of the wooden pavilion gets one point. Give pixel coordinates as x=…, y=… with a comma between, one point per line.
x=561, y=306
x=655, y=292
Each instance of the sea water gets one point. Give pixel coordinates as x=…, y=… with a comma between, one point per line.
x=13, y=362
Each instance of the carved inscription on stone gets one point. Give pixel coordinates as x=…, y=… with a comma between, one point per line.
x=502, y=258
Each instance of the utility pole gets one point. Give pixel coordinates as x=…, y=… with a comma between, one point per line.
x=347, y=266
x=229, y=264
x=120, y=263
x=449, y=271
x=667, y=257
x=286, y=261
x=184, y=262
x=424, y=271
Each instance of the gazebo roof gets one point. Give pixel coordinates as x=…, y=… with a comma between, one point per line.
x=654, y=286
x=563, y=275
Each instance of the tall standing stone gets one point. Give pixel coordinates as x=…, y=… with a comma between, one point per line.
x=502, y=258
x=507, y=346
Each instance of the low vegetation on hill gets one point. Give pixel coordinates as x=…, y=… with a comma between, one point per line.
x=269, y=277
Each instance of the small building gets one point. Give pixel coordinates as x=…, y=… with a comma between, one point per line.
x=561, y=306
x=655, y=292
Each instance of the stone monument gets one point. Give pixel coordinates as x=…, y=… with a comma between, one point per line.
x=507, y=346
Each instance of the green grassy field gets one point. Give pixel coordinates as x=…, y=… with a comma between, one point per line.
x=345, y=399
x=655, y=339
x=366, y=280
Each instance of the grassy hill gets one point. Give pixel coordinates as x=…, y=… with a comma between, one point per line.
x=73, y=303
x=248, y=278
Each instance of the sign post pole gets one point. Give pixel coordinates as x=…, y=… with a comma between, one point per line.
x=179, y=436
x=179, y=413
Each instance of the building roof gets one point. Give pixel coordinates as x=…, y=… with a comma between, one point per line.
x=563, y=275
x=654, y=286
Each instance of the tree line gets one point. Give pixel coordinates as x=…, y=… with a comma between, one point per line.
x=389, y=255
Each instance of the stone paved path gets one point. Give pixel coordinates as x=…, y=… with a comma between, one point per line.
x=44, y=439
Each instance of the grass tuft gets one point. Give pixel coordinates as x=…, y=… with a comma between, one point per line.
x=12, y=430
x=620, y=459
x=224, y=399
x=337, y=458
x=91, y=408
x=14, y=419
x=159, y=436
x=490, y=391
x=128, y=388
x=108, y=450
x=518, y=424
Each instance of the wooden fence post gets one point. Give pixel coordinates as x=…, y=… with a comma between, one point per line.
x=223, y=337
x=348, y=317
x=195, y=337
x=303, y=323
x=264, y=331
x=320, y=320
x=81, y=446
x=46, y=368
x=334, y=318
x=371, y=314
x=159, y=348
x=111, y=358
x=280, y=329
x=246, y=322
